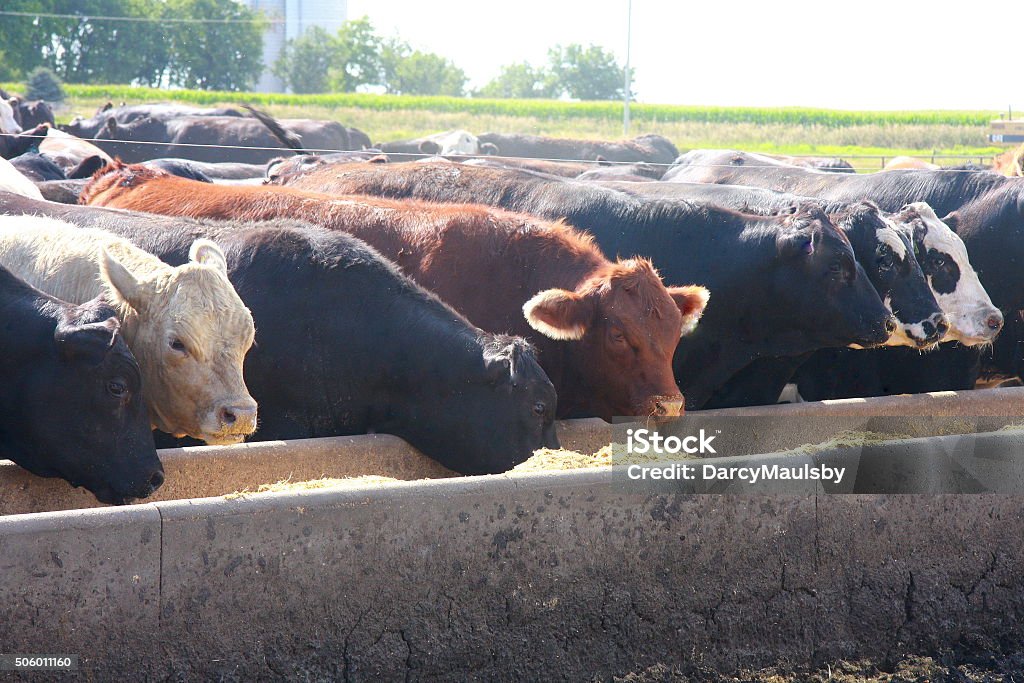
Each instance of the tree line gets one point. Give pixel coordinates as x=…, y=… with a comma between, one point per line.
x=218, y=44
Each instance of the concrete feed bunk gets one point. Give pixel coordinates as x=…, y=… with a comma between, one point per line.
x=553, y=576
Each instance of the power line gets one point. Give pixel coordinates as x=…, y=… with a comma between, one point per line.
x=162, y=20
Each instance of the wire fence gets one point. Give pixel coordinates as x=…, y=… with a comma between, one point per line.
x=983, y=161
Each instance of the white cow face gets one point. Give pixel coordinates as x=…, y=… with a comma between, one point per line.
x=973, y=319
x=458, y=142
x=8, y=124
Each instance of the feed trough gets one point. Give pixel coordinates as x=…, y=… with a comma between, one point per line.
x=477, y=576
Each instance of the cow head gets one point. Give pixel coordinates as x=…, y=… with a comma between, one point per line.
x=458, y=142
x=83, y=417
x=506, y=407
x=832, y=294
x=190, y=331
x=623, y=325
x=887, y=257
x=34, y=113
x=973, y=319
x=8, y=124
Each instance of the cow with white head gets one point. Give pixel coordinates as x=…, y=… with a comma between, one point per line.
x=186, y=325
x=973, y=319
x=8, y=123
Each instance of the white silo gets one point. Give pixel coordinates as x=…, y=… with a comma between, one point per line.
x=289, y=20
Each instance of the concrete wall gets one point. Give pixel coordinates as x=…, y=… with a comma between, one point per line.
x=543, y=577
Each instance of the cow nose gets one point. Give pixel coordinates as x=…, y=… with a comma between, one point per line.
x=995, y=321
x=928, y=329
x=155, y=482
x=238, y=417
x=942, y=326
x=890, y=325
x=668, y=406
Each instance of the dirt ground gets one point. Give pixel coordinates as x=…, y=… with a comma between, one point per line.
x=947, y=668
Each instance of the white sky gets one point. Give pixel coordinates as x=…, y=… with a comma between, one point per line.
x=852, y=54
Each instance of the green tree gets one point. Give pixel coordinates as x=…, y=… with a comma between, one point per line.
x=8, y=71
x=43, y=84
x=359, y=56
x=518, y=80
x=305, y=61
x=81, y=49
x=411, y=72
x=219, y=55
x=146, y=49
x=585, y=73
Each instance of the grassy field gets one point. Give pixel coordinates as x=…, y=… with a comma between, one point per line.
x=797, y=131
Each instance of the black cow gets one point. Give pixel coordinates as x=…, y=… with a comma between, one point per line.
x=88, y=128
x=224, y=170
x=345, y=344
x=986, y=210
x=28, y=113
x=37, y=167
x=182, y=168
x=213, y=138
x=62, y=191
x=71, y=403
x=886, y=253
x=780, y=285
x=12, y=146
x=835, y=374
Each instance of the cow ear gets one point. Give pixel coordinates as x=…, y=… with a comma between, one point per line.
x=952, y=220
x=111, y=125
x=209, y=254
x=123, y=285
x=488, y=148
x=90, y=341
x=559, y=314
x=691, y=300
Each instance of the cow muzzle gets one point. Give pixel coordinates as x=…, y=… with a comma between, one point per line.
x=663, y=407
x=979, y=328
x=233, y=421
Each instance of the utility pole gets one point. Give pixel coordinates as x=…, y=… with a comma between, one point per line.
x=626, y=93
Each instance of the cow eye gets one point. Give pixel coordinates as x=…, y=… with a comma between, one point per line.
x=938, y=261
x=540, y=408
x=618, y=337
x=117, y=387
x=886, y=261
x=178, y=346
x=835, y=267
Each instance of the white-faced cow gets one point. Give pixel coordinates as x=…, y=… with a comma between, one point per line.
x=8, y=124
x=186, y=325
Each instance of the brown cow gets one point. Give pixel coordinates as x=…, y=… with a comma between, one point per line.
x=607, y=330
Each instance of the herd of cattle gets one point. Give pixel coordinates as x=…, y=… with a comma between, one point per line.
x=160, y=270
